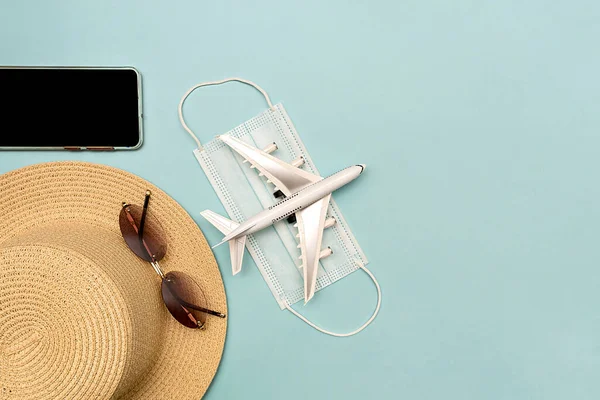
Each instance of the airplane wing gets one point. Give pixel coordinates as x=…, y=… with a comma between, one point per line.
x=311, y=222
x=284, y=176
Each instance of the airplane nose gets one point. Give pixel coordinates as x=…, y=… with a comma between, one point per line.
x=363, y=166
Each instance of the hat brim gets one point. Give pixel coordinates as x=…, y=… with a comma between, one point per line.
x=93, y=193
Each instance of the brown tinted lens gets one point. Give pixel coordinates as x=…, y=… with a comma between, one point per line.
x=154, y=245
x=179, y=312
x=177, y=285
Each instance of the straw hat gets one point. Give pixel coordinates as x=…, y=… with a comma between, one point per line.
x=81, y=317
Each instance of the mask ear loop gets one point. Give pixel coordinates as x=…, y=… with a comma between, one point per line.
x=303, y=318
x=185, y=96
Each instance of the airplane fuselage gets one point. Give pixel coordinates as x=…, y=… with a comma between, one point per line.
x=296, y=202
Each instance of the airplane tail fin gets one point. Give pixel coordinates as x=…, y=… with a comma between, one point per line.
x=236, y=246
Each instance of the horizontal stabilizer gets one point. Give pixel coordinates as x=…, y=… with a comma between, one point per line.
x=221, y=223
x=236, y=246
x=236, y=250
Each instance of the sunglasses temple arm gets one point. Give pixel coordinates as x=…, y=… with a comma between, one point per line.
x=201, y=309
x=143, y=218
x=193, y=307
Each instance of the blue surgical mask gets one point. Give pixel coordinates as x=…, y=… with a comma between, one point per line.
x=244, y=193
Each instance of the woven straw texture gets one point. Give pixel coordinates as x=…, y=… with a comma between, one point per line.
x=81, y=316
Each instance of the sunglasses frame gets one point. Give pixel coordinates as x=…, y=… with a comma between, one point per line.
x=156, y=266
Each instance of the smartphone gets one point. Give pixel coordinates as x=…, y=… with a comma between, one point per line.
x=70, y=108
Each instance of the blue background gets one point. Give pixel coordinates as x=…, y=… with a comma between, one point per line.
x=479, y=125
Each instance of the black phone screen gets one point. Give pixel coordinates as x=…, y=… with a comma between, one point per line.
x=63, y=107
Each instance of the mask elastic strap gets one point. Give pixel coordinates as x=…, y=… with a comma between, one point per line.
x=185, y=96
x=303, y=318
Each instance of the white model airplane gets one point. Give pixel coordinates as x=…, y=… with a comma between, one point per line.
x=306, y=196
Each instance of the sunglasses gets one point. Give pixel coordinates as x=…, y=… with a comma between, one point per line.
x=182, y=296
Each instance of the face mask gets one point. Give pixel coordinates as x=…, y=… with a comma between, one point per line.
x=245, y=193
